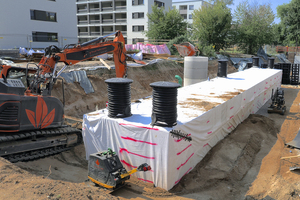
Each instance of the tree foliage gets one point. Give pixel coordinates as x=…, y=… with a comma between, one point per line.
x=227, y=2
x=253, y=25
x=165, y=25
x=211, y=24
x=289, y=15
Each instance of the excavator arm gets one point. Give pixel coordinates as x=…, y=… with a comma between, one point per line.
x=73, y=54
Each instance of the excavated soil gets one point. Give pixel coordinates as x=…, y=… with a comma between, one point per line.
x=244, y=165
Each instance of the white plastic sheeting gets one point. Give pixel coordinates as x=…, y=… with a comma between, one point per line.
x=137, y=142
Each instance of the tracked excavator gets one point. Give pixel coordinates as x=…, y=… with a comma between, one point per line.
x=31, y=120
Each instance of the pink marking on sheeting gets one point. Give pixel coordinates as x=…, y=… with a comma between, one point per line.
x=183, y=175
x=209, y=132
x=184, y=149
x=205, y=145
x=266, y=82
x=185, y=162
x=231, y=116
x=264, y=99
x=207, y=122
x=265, y=93
x=266, y=88
x=123, y=149
x=229, y=127
x=181, y=138
x=244, y=99
x=231, y=107
x=252, y=112
x=123, y=124
x=242, y=115
x=254, y=92
x=132, y=139
x=145, y=180
x=127, y=164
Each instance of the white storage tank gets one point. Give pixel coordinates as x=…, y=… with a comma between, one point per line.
x=195, y=69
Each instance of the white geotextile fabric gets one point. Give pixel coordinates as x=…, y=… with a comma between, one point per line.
x=137, y=142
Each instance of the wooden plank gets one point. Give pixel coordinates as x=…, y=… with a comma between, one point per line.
x=104, y=63
x=73, y=122
x=290, y=157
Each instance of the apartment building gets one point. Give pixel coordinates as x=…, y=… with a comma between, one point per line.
x=37, y=23
x=101, y=17
x=187, y=7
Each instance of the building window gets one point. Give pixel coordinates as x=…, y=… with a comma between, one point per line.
x=190, y=16
x=159, y=4
x=137, y=28
x=184, y=7
x=191, y=7
x=44, y=37
x=184, y=16
x=137, y=15
x=42, y=15
x=135, y=40
x=137, y=2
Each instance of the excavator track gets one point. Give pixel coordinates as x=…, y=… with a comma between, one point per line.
x=31, y=145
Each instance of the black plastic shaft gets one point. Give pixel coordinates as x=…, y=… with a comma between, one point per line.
x=222, y=68
x=271, y=63
x=164, y=108
x=119, y=97
x=255, y=61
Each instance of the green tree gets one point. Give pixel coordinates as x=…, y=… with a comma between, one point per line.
x=165, y=25
x=253, y=25
x=289, y=15
x=279, y=34
x=227, y=2
x=211, y=24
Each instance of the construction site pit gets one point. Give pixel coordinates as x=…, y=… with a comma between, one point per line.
x=246, y=164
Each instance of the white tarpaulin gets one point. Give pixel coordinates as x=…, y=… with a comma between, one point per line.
x=207, y=112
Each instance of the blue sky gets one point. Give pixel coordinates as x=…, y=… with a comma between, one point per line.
x=274, y=4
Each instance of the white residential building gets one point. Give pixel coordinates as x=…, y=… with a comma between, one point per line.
x=101, y=17
x=37, y=23
x=187, y=7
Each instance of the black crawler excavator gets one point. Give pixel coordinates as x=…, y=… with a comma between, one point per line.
x=31, y=120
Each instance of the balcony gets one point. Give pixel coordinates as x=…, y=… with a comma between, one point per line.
x=105, y=9
x=124, y=33
x=107, y=21
x=95, y=33
x=120, y=7
x=95, y=21
x=94, y=9
x=82, y=22
x=82, y=11
x=183, y=12
x=121, y=20
x=83, y=33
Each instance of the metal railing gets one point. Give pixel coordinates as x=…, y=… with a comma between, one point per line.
x=95, y=21
x=82, y=22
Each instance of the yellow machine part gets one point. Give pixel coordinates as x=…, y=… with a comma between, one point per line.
x=101, y=184
x=128, y=173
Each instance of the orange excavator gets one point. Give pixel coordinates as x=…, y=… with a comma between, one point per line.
x=31, y=120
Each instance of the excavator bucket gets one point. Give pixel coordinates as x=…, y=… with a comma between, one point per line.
x=185, y=49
